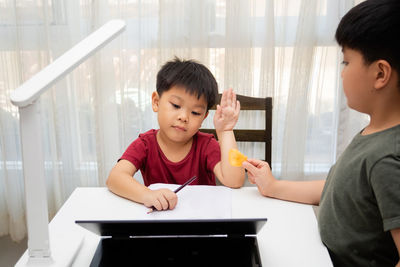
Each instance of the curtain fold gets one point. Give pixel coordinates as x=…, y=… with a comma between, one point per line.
x=279, y=48
x=297, y=113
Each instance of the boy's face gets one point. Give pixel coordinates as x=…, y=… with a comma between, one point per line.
x=180, y=114
x=358, y=81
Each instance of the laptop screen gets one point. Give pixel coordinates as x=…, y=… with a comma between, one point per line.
x=245, y=226
x=177, y=243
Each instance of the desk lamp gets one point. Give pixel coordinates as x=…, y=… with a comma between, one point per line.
x=45, y=250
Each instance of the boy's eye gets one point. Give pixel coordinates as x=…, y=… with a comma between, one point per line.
x=175, y=105
x=345, y=63
x=196, y=113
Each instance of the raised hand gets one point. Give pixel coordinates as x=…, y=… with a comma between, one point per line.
x=227, y=113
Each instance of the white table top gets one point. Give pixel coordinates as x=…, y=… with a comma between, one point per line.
x=289, y=238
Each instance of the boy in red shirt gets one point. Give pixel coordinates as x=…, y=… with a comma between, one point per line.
x=186, y=90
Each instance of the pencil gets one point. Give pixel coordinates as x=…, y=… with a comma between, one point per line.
x=185, y=184
x=176, y=191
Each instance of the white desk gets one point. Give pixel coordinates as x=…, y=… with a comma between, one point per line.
x=289, y=238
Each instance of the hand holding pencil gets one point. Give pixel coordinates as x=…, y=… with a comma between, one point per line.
x=164, y=199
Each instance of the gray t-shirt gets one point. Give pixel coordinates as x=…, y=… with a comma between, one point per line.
x=360, y=202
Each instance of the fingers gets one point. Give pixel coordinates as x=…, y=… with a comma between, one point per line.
x=228, y=99
x=251, y=179
x=255, y=168
x=251, y=172
x=258, y=163
x=172, y=203
x=231, y=97
x=248, y=166
x=252, y=165
x=224, y=98
x=164, y=199
x=237, y=109
x=218, y=111
x=161, y=203
x=235, y=104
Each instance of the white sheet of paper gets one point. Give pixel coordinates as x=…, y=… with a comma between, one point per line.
x=205, y=202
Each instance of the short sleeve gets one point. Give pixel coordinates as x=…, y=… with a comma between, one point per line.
x=136, y=153
x=385, y=182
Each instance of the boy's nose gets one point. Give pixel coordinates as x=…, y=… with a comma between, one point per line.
x=183, y=117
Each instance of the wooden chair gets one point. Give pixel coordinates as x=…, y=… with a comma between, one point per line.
x=251, y=135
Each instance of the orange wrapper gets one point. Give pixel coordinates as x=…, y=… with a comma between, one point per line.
x=236, y=158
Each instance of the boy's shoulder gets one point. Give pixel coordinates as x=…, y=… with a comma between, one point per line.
x=381, y=144
x=147, y=137
x=149, y=133
x=390, y=140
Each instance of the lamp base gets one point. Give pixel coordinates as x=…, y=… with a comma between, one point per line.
x=63, y=252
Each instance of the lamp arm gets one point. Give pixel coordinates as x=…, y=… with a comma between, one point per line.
x=48, y=251
x=32, y=89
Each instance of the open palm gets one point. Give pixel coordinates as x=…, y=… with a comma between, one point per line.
x=227, y=112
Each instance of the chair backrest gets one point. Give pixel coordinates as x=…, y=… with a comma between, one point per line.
x=251, y=135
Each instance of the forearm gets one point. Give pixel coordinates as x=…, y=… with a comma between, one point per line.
x=231, y=176
x=396, y=238
x=308, y=192
x=126, y=186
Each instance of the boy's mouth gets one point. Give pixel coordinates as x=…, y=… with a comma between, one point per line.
x=179, y=128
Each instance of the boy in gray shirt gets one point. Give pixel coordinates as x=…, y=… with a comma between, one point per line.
x=359, y=217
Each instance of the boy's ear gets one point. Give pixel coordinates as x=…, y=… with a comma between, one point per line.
x=383, y=74
x=155, y=100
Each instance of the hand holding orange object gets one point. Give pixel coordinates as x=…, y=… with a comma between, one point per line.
x=236, y=158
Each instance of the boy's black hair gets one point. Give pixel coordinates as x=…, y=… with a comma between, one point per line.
x=193, y=76
x=372, y=28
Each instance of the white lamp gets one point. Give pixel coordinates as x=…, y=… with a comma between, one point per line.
x=44, y=249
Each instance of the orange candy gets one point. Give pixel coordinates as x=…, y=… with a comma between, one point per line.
x=236, y=158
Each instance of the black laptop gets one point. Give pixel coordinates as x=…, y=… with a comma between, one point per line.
x=218, y=242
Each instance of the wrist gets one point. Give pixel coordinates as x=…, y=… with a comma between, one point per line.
x=223, y=132
x=271, y=188
x=145, y=195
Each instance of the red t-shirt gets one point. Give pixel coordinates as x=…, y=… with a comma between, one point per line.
x=146, y=155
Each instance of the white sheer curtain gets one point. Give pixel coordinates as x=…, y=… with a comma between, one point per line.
x=279, y=48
